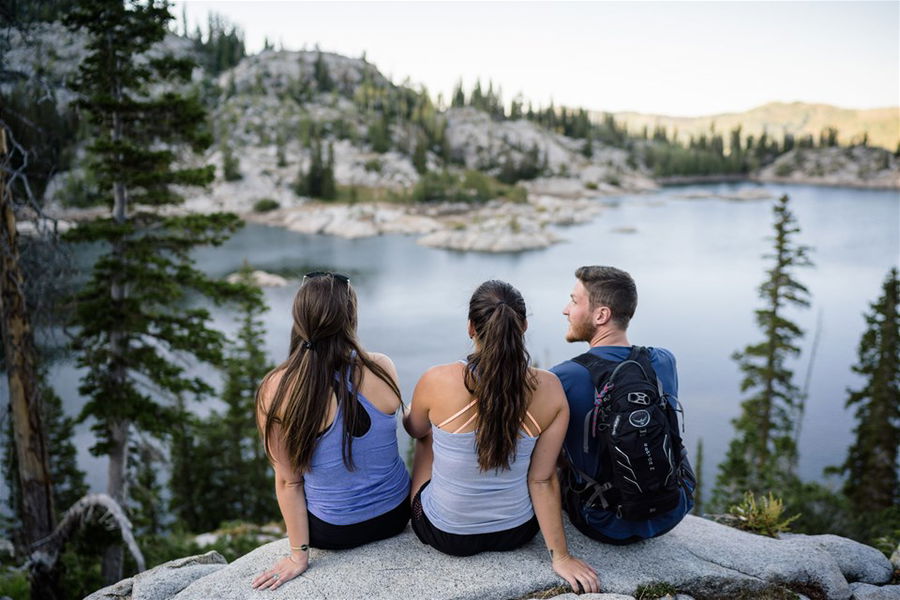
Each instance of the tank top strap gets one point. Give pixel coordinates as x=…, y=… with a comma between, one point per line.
x=458, y=413
x=537, y=427
x=469, y=420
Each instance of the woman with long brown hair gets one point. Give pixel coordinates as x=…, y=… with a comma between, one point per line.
x=489, y=433
x=328, y=419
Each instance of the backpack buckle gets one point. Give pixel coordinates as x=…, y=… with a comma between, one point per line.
x=639, y=398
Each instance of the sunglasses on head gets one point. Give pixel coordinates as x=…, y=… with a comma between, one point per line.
x=337, y=276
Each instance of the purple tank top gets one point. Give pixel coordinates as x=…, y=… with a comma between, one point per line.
x=379, y=482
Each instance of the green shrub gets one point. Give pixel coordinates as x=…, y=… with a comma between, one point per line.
x=654, y=590
x=784, y=169
x=517, y=194
x=373, y=165
x=363, y=193
x=591, y=185
x=764, y=516
x=470, y=186
x=14, y=583
x=231, y=166
x=266, y=205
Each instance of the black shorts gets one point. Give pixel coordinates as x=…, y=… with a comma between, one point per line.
x=340, y=537
x=466, y=545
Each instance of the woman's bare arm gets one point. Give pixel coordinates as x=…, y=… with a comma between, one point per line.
x=543, y=485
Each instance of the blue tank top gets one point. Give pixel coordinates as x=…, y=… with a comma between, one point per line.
x=379, y=482
x=464, y=500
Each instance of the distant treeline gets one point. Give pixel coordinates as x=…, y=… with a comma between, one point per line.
x=660, y=150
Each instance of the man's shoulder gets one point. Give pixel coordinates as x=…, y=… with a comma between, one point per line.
x=566, y=367
x=663, y=355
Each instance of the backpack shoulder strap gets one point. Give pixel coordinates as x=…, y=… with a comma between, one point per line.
x=596, y=366
x=641, y=355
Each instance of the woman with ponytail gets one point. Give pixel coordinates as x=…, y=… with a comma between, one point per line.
x=489, y=431
x=328, y=420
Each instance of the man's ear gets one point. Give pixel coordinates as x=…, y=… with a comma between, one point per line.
x=602, y=315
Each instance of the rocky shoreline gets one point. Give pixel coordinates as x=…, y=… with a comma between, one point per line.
x=495, y=226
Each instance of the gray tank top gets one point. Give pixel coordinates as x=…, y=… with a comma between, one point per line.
x=463, y=499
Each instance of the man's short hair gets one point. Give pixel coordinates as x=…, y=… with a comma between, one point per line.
x=610, y=287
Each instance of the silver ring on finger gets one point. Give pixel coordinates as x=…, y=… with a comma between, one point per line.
x=276, y=576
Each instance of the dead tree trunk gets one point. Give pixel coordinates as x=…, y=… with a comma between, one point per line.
x=24, y=392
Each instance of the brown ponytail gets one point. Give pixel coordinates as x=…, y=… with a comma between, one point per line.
x=324, y=356
x=498, y=373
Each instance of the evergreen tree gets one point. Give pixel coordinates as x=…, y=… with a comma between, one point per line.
x=280, y=149
x=131, y=318
x=231, y=166
x=420, y=158
x=321, y=74
x=587, y=149
x=235, y=481
x=760, y=456
x=223, y=47
x=871, y=466
x=698, y=470
x=145, y=491
x=329, y=185
x=188, y=469
x=379, y=134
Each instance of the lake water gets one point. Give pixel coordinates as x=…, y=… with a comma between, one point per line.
x=697, y=264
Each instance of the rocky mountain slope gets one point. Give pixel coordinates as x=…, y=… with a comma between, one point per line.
x=275, y=111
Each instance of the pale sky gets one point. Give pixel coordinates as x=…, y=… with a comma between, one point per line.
x=675, y=58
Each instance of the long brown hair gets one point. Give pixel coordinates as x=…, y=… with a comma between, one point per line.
x=324, y=355
x=498, y=373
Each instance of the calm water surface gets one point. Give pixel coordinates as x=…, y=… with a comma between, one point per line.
x=697, y=264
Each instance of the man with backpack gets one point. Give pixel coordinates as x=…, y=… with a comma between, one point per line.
x=625, y=474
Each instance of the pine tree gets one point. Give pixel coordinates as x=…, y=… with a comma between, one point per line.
x=280, y=149
x=420, y=159
x=145, y=491
x=329, y=185
x=698, y=470
x=459, y=96
x=871, y=466
x=321, y=74
x=587, y=149
x=231, y=166
x=379, y=134
x=131, y=318
x=235, y=481
x=760, y=455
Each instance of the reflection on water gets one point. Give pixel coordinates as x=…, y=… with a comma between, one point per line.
x=697, y=263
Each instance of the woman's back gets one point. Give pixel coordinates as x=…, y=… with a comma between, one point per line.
x=463, y=498
x=378, y=479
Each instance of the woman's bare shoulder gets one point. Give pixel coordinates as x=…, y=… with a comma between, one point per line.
x=443, y=373
x=546, y=380
x=549, y=396
x=268, y=386
x=384, y=361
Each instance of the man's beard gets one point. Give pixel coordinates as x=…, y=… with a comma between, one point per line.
x=581, y=331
